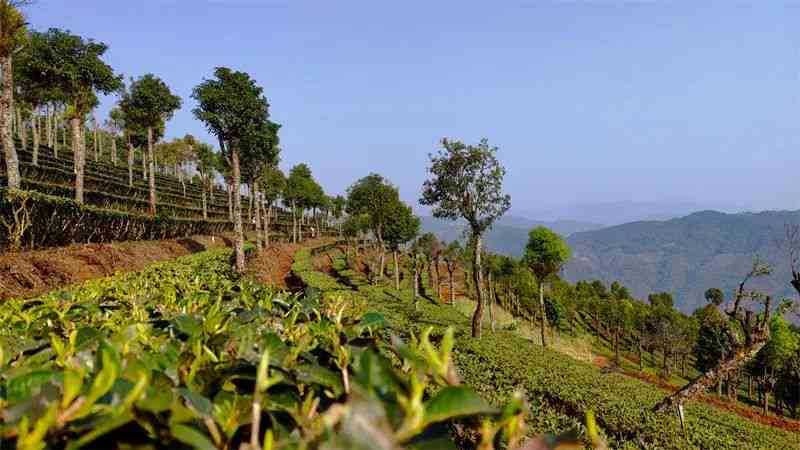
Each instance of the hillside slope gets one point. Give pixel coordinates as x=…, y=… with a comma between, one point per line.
x=685, y=256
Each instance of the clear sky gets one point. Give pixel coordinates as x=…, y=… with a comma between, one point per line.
x=588, y=101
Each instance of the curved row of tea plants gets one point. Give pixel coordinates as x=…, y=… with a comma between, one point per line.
x=186, y=354
x=34, y=220
x=560, y=389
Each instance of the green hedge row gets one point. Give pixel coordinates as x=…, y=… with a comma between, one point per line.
x=35, y=220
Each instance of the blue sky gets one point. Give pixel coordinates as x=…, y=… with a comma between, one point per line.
x=593, y=101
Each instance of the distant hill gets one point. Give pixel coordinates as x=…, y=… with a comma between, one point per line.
x=685, y=256
x=508, y=236
x=616, y=213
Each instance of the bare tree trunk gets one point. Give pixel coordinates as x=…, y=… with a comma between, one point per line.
x=23, y=131
x=230, y=202
x=452, y=287
x=114, y=150
x=151, y=175
x=267, y=218
x=396, y=270
x=35, y=130
x=144, y=165
x=490, y=296
x=80, y=158
x=257, y=225
x=477, y=274
x=294, y=222
x=55, y=119
x=130, y=164
x=708, y=379
x=96, y=142
x=543, y=319
x=416, y=276
x=237, y=209
x=6, y=120
x=49, y=126
x=204, y=203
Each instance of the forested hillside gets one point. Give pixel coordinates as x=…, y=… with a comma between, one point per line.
x=685, y=256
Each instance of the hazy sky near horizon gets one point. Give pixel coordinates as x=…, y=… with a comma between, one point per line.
x=588, y=101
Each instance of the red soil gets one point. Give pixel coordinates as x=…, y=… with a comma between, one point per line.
x=28, y=274
x=734, y=408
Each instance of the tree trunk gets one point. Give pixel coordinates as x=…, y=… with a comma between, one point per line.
x=708, y=379
x=47, y=135
x=23, y=130
x=294, y=222
x=396, y=270
x=130, y=164
x=490, y=294
x=35, y=130
x=144, y=165
x=80, y=158
x=452, y=288
x=237, y=209
x=54, y=119
x=416, y=277
x=257, y=224
x=267, y=211
x=6, y=120
x=477, y=275
x=114, y=150
x=543, y=315
x=151, y=175
x=204, y=203
x=97, y=142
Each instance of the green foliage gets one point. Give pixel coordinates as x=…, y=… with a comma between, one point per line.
x=373, y=197
x=403, y=227
x=714, y=342
x=466, y=182
x=186, y=353
x=560, y=389
x=71, y=65
x=715, y=296
x=149, y=102
x=546, y=253
x=231, y=105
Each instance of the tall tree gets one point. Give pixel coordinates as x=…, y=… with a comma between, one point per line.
x=232, y=106
x=149, y=103
x=75, y=66
x=467, y=182
x=298, y=194
x=545, y=255
x=403, y=228
x=376, y=198
x=12, y=37
x=260, y=151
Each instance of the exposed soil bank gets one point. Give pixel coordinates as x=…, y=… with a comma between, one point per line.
x=28, y=274
x=274, y=266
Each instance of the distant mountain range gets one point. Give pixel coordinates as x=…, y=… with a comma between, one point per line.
x=509, y=234
x=615, y=213
x=684, y=256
